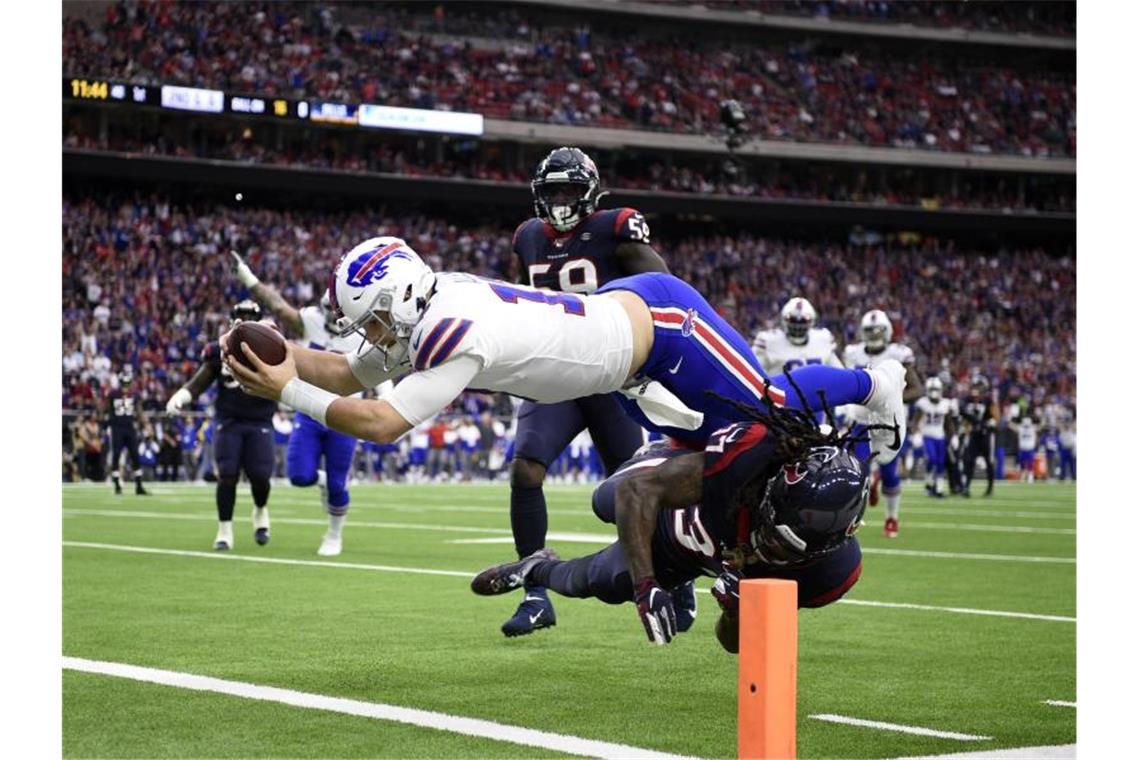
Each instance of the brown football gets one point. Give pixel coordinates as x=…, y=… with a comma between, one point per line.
x=263, y=340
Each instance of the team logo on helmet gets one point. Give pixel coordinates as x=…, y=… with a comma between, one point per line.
x=798, y=470
x=371, y=266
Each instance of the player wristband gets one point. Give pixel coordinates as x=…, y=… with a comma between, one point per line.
x=308, y=399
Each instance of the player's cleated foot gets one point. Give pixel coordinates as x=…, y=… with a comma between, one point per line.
x=891, y=528
x=503, y=578
x=222, y=545
x=261, y=536
x=873, y=494
x=886, y=407
x=684, y=605
x=118, y=490
x=140, y=491
x=330, y=546
x=535, y=613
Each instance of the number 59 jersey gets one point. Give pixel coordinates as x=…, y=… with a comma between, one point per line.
x=581, y=259
x=536, y=344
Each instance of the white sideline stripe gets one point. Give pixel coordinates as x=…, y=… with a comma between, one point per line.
x=486, y=729
x=916, y=730
x=1059, y=703
x=991, y=528
x=460, y=574
x=956, y=555
x=205, y=517
x=1050, y=752
x=910, y=510
x=961, y=610
x=574, y=538
x=266, y=560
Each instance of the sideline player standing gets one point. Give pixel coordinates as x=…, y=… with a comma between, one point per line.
x=875, y=349
x=797, y=342
x=243, y=439
x=125, y=418
x=315, y=327
x=937, y=414
x=569, y=246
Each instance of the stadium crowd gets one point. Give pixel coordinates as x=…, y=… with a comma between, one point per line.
x=146, y=284
x=687, y=175
x=426, y=57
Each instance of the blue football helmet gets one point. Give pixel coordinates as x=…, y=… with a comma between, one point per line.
x=566, y=188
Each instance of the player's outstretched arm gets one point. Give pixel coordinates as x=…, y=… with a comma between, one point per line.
x=913, y=389
x=288, y=315
x=638, y=257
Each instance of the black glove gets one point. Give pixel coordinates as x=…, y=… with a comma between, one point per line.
x=656, y=609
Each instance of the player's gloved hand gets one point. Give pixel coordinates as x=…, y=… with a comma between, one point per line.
x=656, y=609
x=726, y=589
x=242, y=271
x=180, y=399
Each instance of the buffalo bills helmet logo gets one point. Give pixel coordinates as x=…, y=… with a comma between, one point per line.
x=371, y=266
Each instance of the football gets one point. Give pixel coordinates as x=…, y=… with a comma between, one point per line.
x=263, y=340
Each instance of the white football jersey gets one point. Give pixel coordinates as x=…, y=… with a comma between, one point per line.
x=934, y=414
x=1027, y=434
x=536, y=344
x=774, y=350
x=855, y=356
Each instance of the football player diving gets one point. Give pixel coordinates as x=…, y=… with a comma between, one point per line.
x=774, y=496
x=459, y=331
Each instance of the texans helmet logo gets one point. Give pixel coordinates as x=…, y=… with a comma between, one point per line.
x=372, y=265
x=797, y=471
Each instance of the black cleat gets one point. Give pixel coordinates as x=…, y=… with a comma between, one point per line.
x=140, y=491
x=503, y=578
x=261, y=536
x=535, y=613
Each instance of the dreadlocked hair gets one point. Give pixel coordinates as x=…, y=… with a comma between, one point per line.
x=798, y=430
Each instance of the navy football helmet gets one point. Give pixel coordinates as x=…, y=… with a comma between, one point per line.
x=566, y=188
x=246, y=311
x=810, y=508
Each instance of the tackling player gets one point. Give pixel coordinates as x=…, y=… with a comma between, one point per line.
x=243, y=439
x=125, y=418
x=569, y=246
x=980, y=413
x=797, y=342
x=937, y=415
x=773, y=497
x=315, y=327
x=875, y=350
x=460, y=331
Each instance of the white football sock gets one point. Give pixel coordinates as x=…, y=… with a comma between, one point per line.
x=336, y=523
x=261, y=517
x=226, y=532
x=322, y=478
x=892, y=505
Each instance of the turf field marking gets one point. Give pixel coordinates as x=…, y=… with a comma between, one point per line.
x=992, y=528
x=600, y=538
x=464, y=574
x=1051, y=752
x=989, y=513
x=1059, y=703
x=527, y=737
x=956, y=555
x=579, y=538
x=916, y=730
x=961, y=610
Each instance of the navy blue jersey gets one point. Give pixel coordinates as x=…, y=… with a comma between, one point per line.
x=233, y=403
x=122, y=410
x=692, y=538
x=580, y=260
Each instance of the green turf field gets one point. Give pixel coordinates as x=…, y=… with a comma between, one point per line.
x=963, y=625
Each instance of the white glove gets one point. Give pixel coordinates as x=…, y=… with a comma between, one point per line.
x=242, y=271
x=180, y=399
x=661, y=407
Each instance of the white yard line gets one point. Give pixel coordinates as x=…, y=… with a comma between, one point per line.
x=960, y=610
x=527, y=737
x=1058, y=703
x=912, y=510
x=957, y=555
x=916, y=730
x=1051, y=752
x=990, y=528
x=466, y=574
